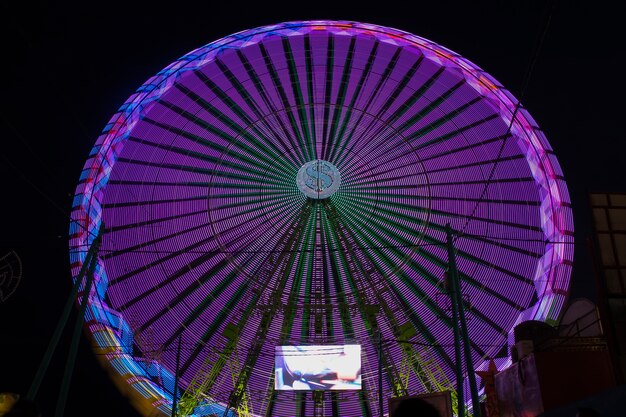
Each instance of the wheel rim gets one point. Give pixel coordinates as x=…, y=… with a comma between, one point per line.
x=196, y=180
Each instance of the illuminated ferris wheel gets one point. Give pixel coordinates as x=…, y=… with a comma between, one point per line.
x=290, y=186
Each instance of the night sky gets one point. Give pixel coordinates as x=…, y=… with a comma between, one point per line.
x=67, y=69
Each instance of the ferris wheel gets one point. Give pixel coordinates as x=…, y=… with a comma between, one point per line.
x=291, y=185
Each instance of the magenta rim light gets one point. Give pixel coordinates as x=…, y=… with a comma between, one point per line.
x=195, y=180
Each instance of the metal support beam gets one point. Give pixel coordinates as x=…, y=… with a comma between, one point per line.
x=451, y=289
x=176, y=376
x=78, y=326
x=58, y=331
x=380, y=374
x=457, y=306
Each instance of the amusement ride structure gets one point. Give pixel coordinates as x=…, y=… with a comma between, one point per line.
x=302, y=184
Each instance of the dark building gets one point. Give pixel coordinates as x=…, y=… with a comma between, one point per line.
x=609, y=221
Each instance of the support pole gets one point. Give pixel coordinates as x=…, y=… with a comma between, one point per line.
x=455, y=284
x=175, y=396
x=469, y=362
x=380, y=374
x=78, y=326
x=455, y=321
x=58, y=331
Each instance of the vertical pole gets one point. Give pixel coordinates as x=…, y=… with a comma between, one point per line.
x=301, y=404
x=380, y=374
x=454, y=280
x=455, y=320
x=56, y=336
x=469, y=362
x=175, y=396
x=318, y=403
x=71, y=359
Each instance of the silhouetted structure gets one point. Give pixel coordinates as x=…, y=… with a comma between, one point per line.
x=415, y=407
x=609, y=221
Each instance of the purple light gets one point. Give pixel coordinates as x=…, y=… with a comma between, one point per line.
x=195, y=180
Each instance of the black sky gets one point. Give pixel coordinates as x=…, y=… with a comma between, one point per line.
x=67, y=68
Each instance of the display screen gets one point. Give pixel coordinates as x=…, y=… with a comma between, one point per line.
x=322, y=368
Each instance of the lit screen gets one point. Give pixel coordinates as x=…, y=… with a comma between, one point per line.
x=318, y=367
